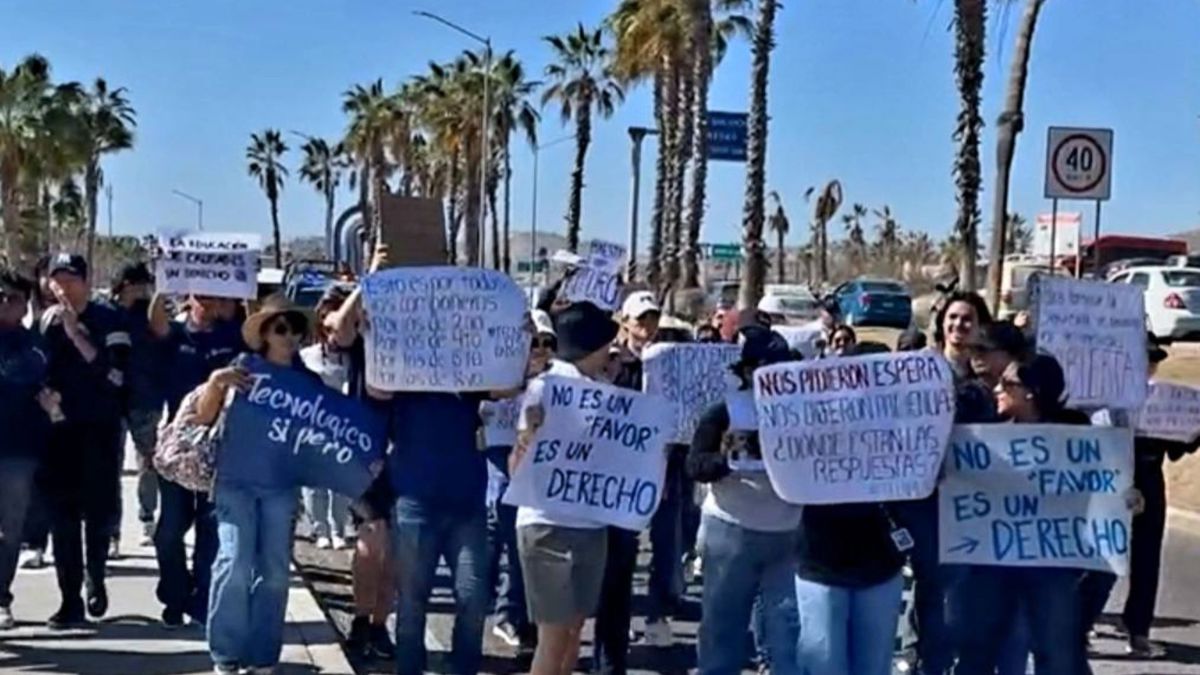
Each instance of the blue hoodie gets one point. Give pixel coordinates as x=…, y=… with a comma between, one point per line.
x=23, y=367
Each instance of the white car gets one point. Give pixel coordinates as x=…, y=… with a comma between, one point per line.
x=795, y=306
x=1172, y=299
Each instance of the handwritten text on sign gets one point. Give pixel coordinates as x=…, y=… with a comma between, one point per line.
x=598, y=455
x=1172, y=411
x=444, y=329
x=691, y=377
x=1037, y=496
x=597, y=279
x=289, y=430
x=208, y=263
x=857, y=429
x=500, y=422
x=1097, y=331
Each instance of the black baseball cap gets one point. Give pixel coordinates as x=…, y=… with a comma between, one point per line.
x=70, y=263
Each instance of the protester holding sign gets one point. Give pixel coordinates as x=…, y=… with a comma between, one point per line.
x=193, y=349
x=562, y=558
x=500, y=435
x=749, y=532
x=254, y=516
x=988, y=597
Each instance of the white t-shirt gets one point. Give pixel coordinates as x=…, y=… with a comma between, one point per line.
x=527, y=515
x=332, y=366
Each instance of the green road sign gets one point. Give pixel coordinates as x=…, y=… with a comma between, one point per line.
x=725, y=252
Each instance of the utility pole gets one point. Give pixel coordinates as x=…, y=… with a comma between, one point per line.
x=636, y=135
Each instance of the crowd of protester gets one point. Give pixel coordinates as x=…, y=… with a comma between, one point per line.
x=810, y=590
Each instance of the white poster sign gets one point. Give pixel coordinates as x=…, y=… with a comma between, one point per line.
x=500, y=422
x=598, y=456
x=1097, y=331
x=1171, y=411
x=855, y=429
x=691, y=377
x=1065, y=234
x=444, y=329
x=215, y=264
x=1040, y=495
x=597, y=278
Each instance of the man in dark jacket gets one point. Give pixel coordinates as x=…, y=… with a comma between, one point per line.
x=88, y=348
x=22, y=374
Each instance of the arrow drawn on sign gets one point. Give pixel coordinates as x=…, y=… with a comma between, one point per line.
x=968, y=546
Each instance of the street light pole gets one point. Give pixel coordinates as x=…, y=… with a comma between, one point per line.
x=485, y=126
x=533, y=250
x=199, y=207
x=637, y=135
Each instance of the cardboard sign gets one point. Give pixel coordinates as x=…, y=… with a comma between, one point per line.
x=449, y=329
x=215, y=264
x=1097, y=331
x=598, y=455
x=1037, y=495
x=1171, y=411
x=597, y=278
x=291, y=430
x=855, y=429
x=414, y=231
x=691, y=377
x=500, y=422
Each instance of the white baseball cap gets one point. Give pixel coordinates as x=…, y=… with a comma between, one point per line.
x=542, y=323
x=638, y=304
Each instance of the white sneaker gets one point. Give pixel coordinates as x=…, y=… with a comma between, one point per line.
x=226, y=670
x=114, y=550
x=658, y=633
x=324, y=543
x=6, y=618
x=35, y=561
x=340, y=543
x=147, y=535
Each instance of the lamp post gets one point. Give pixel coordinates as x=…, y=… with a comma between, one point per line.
x=637, y=135
x=199, y=207
x=485, y=122
x=533, y=248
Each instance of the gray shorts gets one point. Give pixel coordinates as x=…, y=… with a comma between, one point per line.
x=563, y=569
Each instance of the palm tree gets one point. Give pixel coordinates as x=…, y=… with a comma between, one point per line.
x=754, y=271
x=323, y=167
x=827, y=205
x=1019, y=236
x=264, y=156
x=888, y=232
x=513, y=112
x=969, y=30
x=856, y=242
x=778, y=222
x=109, y=120
x=373, y=120
x=1010, y=124
x=581, y=83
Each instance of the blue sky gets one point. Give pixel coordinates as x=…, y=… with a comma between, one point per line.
x=861, y=90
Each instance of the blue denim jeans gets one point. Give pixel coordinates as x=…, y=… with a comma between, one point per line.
x=666, y=542
x=739, y=565
x=328, y=512
x=505, y=577
x=248, y=602
x=848, y=631
x=16, y=493
x=934, y=583
x=181, y=590
x=989, y=600
x=421, y=535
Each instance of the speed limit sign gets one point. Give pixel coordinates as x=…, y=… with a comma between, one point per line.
x=1079, y=163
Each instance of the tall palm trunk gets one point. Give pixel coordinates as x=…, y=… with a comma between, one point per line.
x=755, y=269
x=701, y=74
x=493, y=187
x=1010, y=124
x=583, y=138
x=970, y=18
x=823, y=243
x=469, y=252
x=452, y=207
x=674, y=186
x=507, y=207
x=780, y=257
x=330, y=204
x=657, y=218
x=364, y=201
x=91, y=191
x=379, y=188
x=273, y=197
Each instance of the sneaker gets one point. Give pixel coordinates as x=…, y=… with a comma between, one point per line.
x=1142, y=647
x=6, y=619
x=381, y=644
x=324, y=543
x=658, y=633
x=35, y=561
x=97, y=600
x=172, y=619
x=114, y=549
x=147, y=539
x=507, y=633
x=358, y=642
x=339, y=543
x=226, y=670
x=66, y=618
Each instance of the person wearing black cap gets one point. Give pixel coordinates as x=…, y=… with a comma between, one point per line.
x=88, y=348
x=562, y=559
x=24, y=421
x=749, y=535
x=131, y=292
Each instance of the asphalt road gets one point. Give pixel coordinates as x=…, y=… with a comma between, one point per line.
x=1178, y=626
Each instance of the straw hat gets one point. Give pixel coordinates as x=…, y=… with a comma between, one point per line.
x=271, y=307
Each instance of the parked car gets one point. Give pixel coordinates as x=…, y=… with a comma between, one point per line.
x=875, y=302
x=1189, y=260
x=1172, y=299
x=1115, y=268
x=790, y=305
x=1014, y=285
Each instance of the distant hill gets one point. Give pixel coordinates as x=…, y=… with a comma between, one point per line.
x=1192, y=237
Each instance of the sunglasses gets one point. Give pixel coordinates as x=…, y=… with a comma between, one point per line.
x=544, y=343
x=284, y=327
